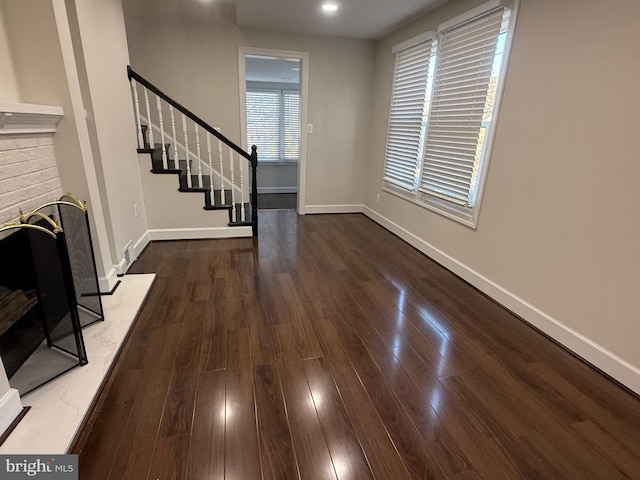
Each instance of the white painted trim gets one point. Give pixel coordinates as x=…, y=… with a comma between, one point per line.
x=109, y=281
x=136, y=248
x=621, y=370
x=10, y=408
x=140, y=245
x=277, y=163
x=493, y=127
x=99, y=234
x=313, y=209
x=304, y=109
x=121, y=267
x=197, y=233
x=26, y=118
x=277, y=190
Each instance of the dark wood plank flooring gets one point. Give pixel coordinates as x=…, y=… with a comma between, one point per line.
x=330, y=349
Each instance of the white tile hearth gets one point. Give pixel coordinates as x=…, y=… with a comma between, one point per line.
x=58, y=408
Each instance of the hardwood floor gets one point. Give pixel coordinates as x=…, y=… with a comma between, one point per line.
x=330, y=349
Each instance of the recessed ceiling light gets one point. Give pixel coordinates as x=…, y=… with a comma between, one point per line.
x=330, y=7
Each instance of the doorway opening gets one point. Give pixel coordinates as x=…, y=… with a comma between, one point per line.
x=273, y=97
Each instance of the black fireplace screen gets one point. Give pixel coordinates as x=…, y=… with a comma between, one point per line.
x=48, y=292
x=75, y=224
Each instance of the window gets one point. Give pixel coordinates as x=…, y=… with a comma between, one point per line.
x=407, y=118
x=443, y=107
x=273, y=123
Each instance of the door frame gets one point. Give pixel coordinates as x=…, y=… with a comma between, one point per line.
x=304, y=94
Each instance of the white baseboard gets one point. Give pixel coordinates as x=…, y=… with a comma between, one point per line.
x=121, y=267
x=140, y=245
x=619, y=369
x=137, y=247
x=313, y=209
x=10, y=408
x=109, y=281
x=199, y=233
x=277, y=189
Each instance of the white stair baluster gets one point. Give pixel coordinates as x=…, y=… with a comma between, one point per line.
x=186, y=149
x=198, y=155
x=234, y=214
x=150, y=126
x=136, y=105
x=213, y=200
x=242, y=212
x=176, y=165
x=165, y=163
x=223, y=200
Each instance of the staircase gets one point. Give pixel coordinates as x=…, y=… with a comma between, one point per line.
x=204, y=160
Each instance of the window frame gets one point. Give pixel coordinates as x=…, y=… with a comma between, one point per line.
x=282, y=90
x=466, y=215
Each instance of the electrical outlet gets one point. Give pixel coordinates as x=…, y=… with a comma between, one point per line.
x=309, y=127
x=378, y=198
x=135, y=209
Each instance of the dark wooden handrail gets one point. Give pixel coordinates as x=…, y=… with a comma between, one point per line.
x=140, y=79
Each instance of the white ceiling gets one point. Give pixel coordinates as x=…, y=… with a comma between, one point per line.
x=368, y=19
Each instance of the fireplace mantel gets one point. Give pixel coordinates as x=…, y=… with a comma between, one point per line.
x=25, y=118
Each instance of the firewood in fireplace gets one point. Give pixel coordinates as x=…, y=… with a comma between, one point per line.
x=14, y=304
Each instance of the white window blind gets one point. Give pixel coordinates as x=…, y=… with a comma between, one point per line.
x=455, y=132
x=273, y=123
x=263, y=122
x=445, y=99
x=407, y=115
x=291, y=127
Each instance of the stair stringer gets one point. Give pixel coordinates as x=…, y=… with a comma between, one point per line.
x=181, y=212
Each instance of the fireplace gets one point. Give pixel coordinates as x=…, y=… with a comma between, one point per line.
x=48, y=292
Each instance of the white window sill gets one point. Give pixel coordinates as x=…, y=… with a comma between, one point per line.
x=457, y=213
x=277, y=162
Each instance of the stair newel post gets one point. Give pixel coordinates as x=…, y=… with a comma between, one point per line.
x=210, y=168
x=176, y=164
x=254, y=190
x=186, y=149
x=150, y=129
x=223, y=200
x=234, y=214
x=243, y=214
x=198, y=155
x=165, y=163
x=136, y=105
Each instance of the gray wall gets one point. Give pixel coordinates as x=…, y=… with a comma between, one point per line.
x=558, y=233
x=202, y=46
